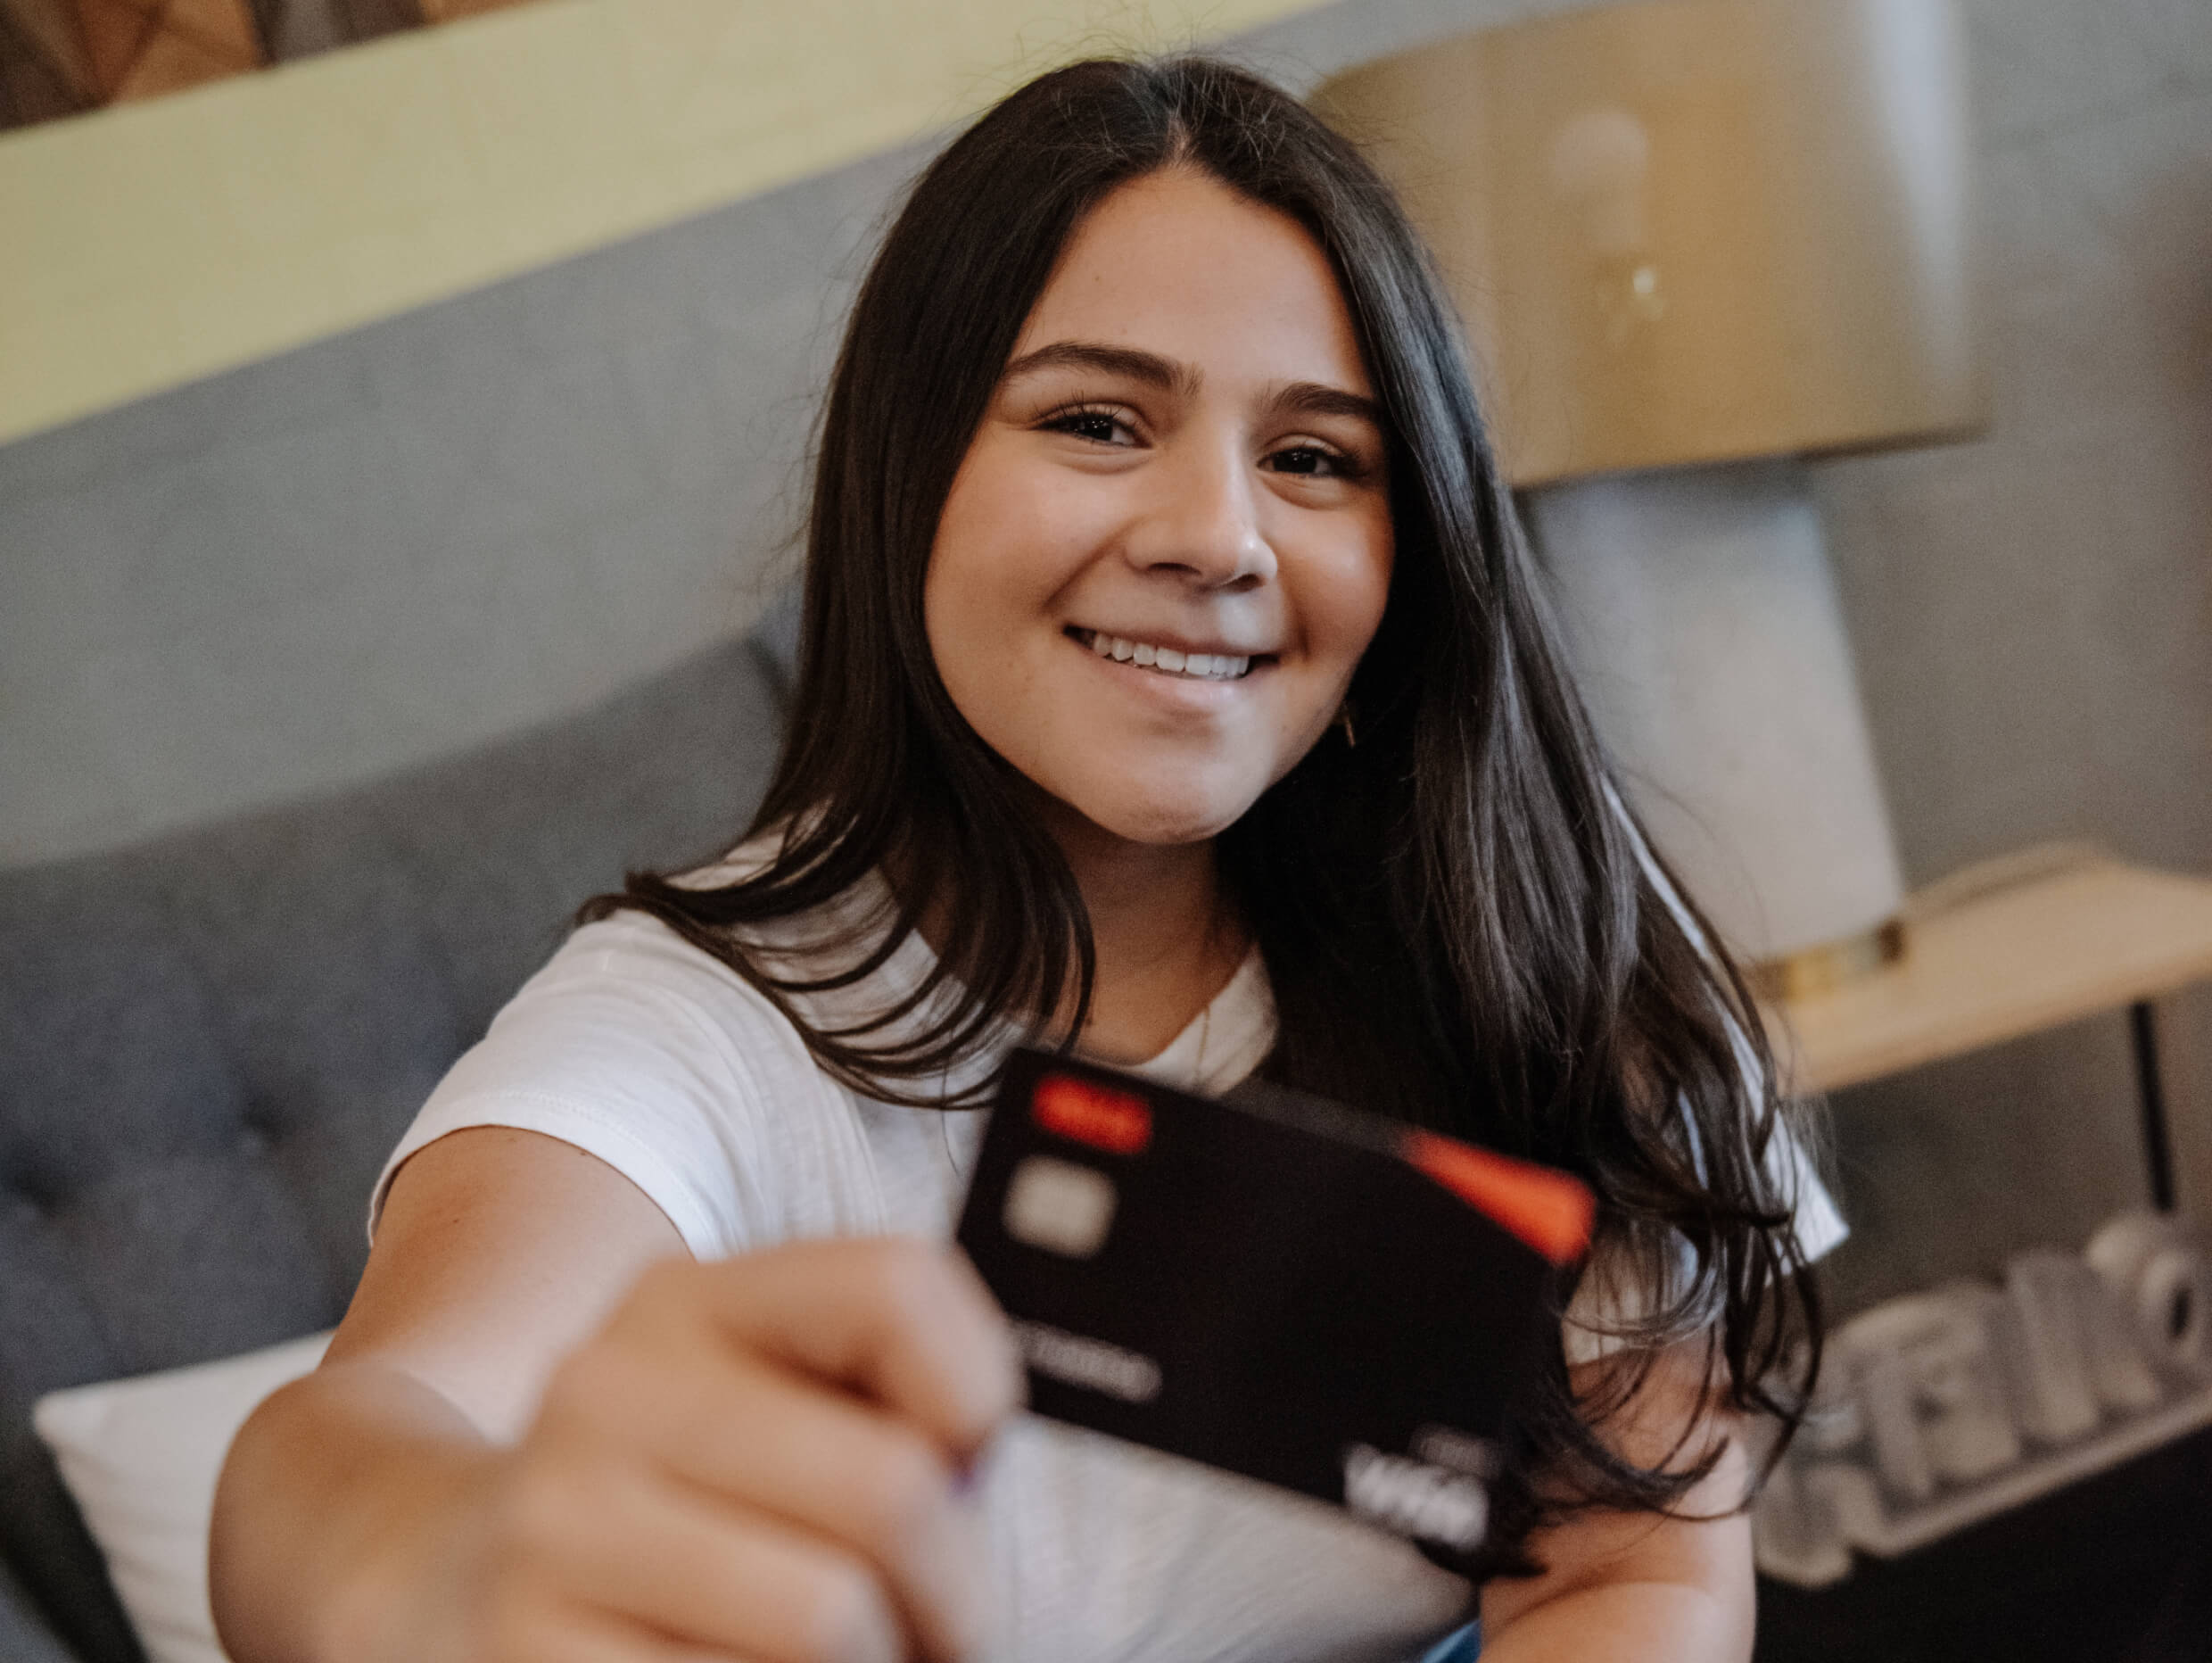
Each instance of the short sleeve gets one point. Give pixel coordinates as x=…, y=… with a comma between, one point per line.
x=1612, y=1296
x=634, y=1047
x=1609, y=1297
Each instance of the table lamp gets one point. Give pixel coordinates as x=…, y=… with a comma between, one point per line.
x=1695, y=241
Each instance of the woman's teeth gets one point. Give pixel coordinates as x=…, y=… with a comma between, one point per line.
x=1207, y=666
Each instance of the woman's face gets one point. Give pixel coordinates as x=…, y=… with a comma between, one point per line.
x=1170, y=540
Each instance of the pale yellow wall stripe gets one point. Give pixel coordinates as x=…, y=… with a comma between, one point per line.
x=148, y=245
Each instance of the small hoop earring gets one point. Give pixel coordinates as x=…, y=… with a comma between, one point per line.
x=1344, y=722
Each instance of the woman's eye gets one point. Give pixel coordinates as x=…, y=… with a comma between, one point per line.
x=1100, y=426
x=1310, y=460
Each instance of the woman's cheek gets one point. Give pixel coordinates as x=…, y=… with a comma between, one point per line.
x=1349, y=587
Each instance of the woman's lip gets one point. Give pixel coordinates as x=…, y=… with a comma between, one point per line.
x=1185, y=644
x=1203, y=692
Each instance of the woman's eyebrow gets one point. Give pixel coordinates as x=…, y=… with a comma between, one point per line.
x=1314, y=398
x=1298, y=398
x=1149, y=367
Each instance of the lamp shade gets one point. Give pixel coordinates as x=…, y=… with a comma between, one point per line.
x=1707, y=636
x=1694, y=230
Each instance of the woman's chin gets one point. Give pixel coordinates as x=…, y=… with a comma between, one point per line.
x=1151, y=796
x=1165, y=825
x=1151, y=817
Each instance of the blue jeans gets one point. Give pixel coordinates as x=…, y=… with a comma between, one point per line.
x=1462, y=1645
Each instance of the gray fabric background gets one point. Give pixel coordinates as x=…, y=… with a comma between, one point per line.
x=209, y=1044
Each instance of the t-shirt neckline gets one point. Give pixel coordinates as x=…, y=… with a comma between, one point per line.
x=1217, y=1050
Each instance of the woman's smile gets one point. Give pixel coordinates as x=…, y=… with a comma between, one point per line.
x=1207, y=663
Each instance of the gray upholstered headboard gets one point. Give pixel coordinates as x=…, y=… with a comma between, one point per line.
x=208, y=1046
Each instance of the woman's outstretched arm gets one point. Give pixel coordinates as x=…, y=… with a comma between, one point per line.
x=1628, y=1587
x=543, y=1433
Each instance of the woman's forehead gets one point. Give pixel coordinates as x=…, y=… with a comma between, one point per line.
x=1177, y=265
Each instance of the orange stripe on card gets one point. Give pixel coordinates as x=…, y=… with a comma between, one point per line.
x=1113, y=1121
x=1549, y=1210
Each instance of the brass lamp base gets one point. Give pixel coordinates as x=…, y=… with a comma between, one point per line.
x=1817, y=970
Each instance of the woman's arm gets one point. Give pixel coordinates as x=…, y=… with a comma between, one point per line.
x=543, y=1433
x=1654, y=1588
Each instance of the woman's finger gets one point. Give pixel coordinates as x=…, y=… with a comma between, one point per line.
x=559, y=1632
x=724, y=1580
x=908, y=1323
x=749, y=1431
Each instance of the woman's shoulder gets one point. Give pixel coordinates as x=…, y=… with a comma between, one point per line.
x=657, y=1055
x=634, y=967
x=806, y=940
x=735, y=1002
x=626, y=1009
x=751, y=857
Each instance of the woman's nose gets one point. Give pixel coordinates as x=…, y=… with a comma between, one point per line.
x=1202, y=522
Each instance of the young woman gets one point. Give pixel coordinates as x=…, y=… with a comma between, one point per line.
x=1174, y=686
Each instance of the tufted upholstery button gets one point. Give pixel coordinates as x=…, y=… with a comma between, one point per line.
x=28, y=1194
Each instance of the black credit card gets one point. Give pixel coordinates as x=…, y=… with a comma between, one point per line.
x=1338, y=1304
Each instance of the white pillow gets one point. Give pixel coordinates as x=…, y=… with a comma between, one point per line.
x=141, y=1456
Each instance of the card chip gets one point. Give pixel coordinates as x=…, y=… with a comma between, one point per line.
x=1059, y=1206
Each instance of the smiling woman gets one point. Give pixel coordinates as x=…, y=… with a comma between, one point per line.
x=1148, y=458
x=1183, y=457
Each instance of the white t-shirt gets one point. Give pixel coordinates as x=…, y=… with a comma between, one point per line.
x=637, y=1047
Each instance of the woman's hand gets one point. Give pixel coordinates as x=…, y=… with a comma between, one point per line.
x=760, y=1459
x=540, y=1438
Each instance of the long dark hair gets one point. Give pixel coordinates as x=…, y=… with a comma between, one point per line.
x=1457, y=919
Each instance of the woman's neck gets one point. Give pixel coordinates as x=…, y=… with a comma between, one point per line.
x=1165, y=939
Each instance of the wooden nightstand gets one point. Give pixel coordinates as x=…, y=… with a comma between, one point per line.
x=2050, y=941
